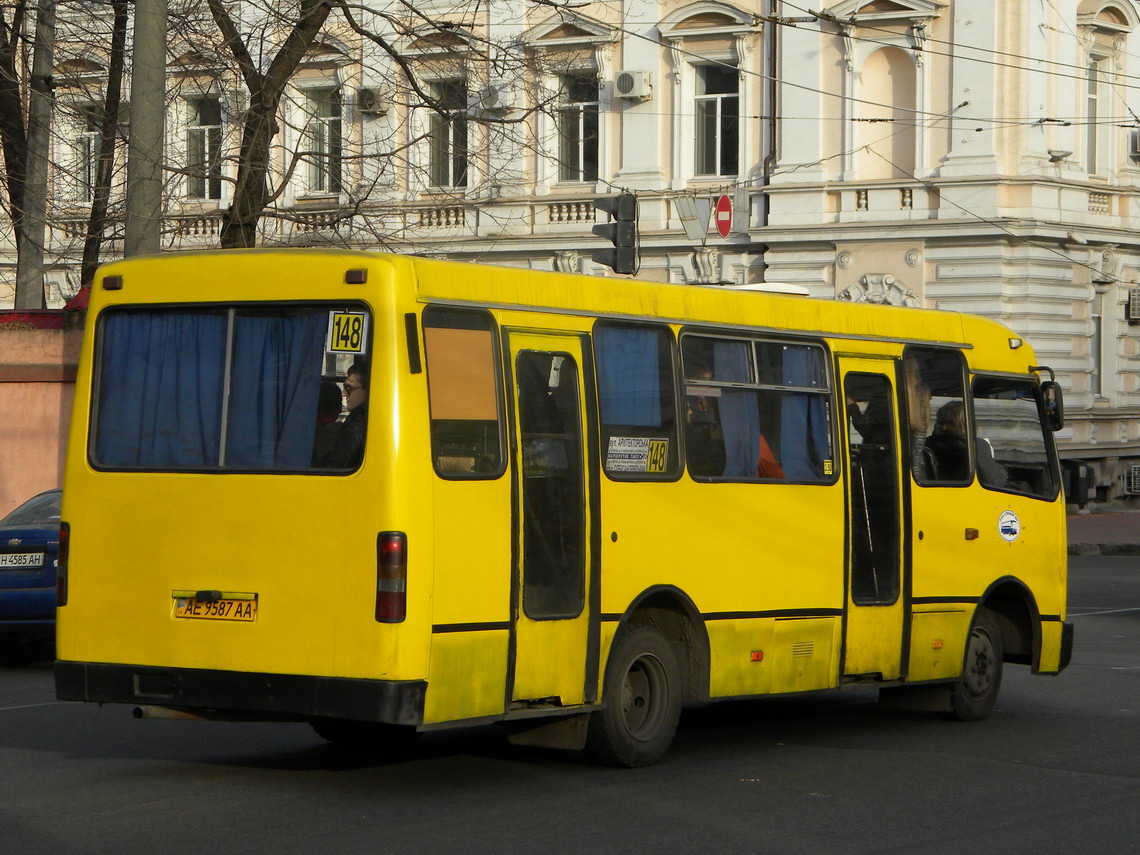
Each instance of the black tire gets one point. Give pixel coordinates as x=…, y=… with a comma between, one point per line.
x=973, y=696
x=366, y=737
x=642, y=701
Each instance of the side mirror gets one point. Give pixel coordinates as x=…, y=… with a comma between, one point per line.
x=1054, y=402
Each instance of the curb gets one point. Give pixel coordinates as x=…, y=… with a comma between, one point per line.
x=1104, y=548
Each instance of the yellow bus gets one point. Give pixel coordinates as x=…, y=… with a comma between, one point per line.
x=386, y=494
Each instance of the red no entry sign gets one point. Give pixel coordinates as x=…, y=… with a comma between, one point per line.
x=723, y=216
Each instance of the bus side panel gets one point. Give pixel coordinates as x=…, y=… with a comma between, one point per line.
x=951, y=562
x=937, y=639
x=467, y=675
x=736, y=674
x=745, y=550
x=472, y=594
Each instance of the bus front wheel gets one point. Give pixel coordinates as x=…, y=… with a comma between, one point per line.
x=642, y=697
x=973, y=696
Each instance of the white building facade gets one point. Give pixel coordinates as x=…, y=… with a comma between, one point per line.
x=976, y=155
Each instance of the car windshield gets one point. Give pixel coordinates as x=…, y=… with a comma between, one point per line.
x=39, y=510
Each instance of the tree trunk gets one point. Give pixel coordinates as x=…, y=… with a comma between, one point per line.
x=97, y=223
x=251, y=190
x=30, y=237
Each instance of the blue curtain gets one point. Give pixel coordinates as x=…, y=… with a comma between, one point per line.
x=160, y=396
x=739, y=411
x=629, y=378
x=805, y=440
x=276, y=378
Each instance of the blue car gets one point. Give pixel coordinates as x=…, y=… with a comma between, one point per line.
x=29, y=546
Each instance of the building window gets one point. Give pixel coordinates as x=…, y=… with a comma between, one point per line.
x=717, y=120
x=204, y=149
x=85, y=151
x=1093, y=112
x=578, y=129
x=325, y=142
x=447, y=162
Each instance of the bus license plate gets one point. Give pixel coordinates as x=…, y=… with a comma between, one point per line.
x=188, y=607
x=22, y=559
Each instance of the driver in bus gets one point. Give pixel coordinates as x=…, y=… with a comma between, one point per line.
x=348, y=450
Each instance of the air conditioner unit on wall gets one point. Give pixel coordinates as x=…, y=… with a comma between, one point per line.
x=1132, y=480
x=633, y=84
x=374, y=100
x=1132, y=309
x=498, y=95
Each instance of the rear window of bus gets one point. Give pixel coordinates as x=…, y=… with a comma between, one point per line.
x=230, y=388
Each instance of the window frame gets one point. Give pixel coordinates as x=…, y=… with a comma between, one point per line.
x=720, y=118
x=677, y=470
x=1053, y=466
x=965, y=398
x=85, y=150
x=500, y=400
x=582, y=142
x=355, y=305
x=204, y=178
x=829, y=393
x=324, y=137
x=448, y=137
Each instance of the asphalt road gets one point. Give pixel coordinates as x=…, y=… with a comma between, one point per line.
x=1056, y=768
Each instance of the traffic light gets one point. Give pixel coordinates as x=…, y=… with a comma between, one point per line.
x=621, y=231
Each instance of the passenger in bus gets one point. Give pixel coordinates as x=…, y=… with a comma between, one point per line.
x=872, y=422
x=767, y=466
x=949, y=447
x=348, y=449
x=704, y=439
x=329, y=403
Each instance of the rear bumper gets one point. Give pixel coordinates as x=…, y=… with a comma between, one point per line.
x=274, y=695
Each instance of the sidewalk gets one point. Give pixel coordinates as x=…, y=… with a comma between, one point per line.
x=1105, y=533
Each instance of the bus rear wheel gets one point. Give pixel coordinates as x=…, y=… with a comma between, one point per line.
x=642, y=697
x=973, y=696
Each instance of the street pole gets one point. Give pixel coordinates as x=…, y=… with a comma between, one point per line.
x=33, y=229
x=145, y=142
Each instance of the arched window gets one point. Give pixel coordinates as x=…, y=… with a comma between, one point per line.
x=887, y=115
x=1103, y=28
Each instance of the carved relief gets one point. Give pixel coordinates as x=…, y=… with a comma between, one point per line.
x=706, y=265
x=567, y=261
x=880, y=288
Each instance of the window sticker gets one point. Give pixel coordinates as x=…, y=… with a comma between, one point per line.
x=348, y=332
x=637, y=454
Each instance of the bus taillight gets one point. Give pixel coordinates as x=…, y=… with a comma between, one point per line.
x=391, y=576
x=61, y=564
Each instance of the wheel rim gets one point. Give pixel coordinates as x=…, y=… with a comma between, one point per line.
x=981, y=665
x=643, y=694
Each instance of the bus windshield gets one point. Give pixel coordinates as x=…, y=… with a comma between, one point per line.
x=247, y=388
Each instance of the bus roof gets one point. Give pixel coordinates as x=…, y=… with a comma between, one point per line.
x=289, y=273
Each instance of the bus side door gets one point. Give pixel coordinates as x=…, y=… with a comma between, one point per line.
x=551, y=617
x=873, y=636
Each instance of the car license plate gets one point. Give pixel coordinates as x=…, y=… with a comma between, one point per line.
x=227, y=608
x=22, y=559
